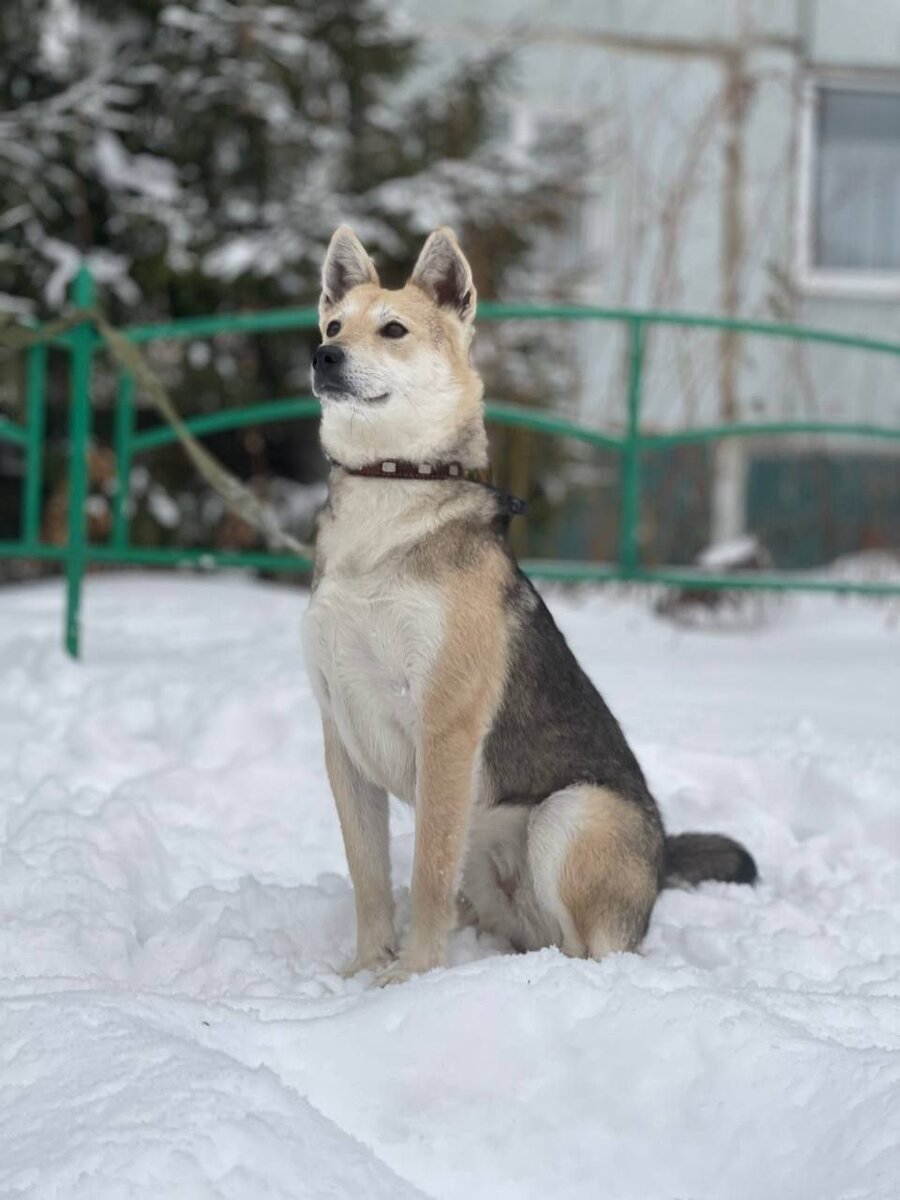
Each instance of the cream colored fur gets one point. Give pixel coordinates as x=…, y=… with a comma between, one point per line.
x=432, y=405
x=371, y=638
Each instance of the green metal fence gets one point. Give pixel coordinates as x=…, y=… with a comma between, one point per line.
x=82, y=343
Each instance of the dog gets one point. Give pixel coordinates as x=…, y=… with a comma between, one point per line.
x=441, y=676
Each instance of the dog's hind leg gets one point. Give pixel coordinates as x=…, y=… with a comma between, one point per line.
x=497, y=882
x=595, y=860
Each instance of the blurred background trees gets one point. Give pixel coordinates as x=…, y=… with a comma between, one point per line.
x=198, y=158
x=740, y=159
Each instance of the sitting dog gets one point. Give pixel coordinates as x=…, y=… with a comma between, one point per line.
x=441, y=675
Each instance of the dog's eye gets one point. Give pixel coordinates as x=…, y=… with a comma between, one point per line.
x=393, y=329
x=332, y=329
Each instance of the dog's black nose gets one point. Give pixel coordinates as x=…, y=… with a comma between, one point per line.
x=328, y=359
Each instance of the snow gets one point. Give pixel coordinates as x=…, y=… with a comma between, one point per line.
x=59, y=33
x=152, y=177
x=162, y=507
x=106, y=267
x=174, y=904
x=736, y=553
x=235, y=256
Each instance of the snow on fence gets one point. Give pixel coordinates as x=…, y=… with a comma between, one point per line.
x=82, y=342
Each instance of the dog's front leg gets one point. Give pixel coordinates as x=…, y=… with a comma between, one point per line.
x=363, y=813
x=457, y=712
x=444, y=795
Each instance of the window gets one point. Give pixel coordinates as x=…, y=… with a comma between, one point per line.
x=850, y=201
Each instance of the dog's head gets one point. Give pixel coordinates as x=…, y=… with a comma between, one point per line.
x=393, y=371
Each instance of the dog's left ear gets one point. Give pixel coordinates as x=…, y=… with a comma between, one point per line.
x=443, y=272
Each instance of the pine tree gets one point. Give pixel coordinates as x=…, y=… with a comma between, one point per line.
x=199, y=156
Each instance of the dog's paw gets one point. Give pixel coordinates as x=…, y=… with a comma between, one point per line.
x=377, y=961
x=395, y=972
x=404, y=968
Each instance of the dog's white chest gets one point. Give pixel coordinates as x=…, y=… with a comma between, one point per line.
x=371, y=643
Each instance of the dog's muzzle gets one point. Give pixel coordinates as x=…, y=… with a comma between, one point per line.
x=329, y=368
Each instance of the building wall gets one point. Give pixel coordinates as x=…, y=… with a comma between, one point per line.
x=658, y=230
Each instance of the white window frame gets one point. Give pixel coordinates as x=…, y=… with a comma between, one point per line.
x=828, y=281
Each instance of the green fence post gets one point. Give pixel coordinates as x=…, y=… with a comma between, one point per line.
x=124, y=428
x=32, y=487
x=629, y=550
x=81, y=341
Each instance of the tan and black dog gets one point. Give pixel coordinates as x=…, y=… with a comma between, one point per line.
x=440, y=673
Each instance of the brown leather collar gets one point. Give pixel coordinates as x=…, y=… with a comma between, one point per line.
x=401, y=468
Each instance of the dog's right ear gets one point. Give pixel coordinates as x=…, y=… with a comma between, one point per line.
x=346, y=266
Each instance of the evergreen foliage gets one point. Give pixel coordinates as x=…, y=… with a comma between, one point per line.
x=198, y=156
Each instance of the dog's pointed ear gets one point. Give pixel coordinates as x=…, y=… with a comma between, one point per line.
x=346, y=266
x=444, y=273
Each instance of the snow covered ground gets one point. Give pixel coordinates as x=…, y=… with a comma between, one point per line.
x=174, y=903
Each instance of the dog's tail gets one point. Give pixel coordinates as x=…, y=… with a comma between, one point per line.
x=692, y=857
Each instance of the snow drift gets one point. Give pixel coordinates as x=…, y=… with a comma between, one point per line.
x=174, y=904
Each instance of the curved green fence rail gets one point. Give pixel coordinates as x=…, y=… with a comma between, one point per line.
x=82, y=343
